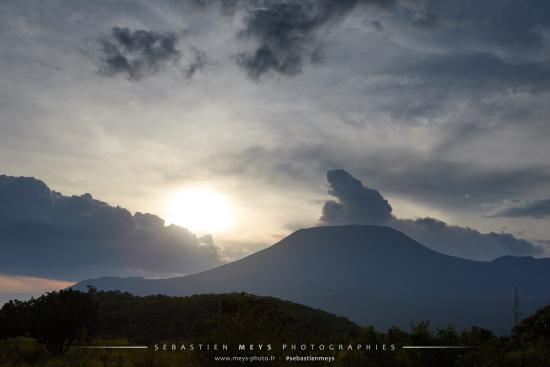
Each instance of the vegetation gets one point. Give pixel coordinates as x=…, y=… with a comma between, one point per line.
x=44, y=332
x=56, y=319
x=229, y=318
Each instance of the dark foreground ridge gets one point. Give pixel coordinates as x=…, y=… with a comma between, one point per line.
x=156, y=318
x=71, y=328
x=373, y=275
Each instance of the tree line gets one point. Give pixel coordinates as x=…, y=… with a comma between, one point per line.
x=53, y=323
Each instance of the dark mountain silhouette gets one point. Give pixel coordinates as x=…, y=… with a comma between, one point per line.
x=372, y=275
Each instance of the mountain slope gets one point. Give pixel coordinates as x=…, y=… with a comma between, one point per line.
x=372, y=275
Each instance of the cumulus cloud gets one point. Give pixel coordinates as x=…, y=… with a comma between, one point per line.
x=137, y=53
x=518, y=208
x=46, y=234
x=357, y=204
x=463, y=241
x=286, y=33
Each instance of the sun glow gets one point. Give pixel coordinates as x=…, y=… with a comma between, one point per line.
x=201, y=210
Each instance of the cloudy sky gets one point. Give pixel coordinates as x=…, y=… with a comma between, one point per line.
x=441, y=107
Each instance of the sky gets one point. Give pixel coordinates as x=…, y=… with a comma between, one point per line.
x=440, y=107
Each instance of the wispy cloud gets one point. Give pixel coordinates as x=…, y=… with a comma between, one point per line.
x=522, y=208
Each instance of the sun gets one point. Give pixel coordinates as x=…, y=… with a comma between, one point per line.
x=199, y=209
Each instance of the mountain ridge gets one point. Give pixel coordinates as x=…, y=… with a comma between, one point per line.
x=371, y=274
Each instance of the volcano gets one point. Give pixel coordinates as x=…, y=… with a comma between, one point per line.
x=373, y=275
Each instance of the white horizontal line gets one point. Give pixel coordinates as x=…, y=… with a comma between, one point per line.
x=114, y=347
x=436, y=347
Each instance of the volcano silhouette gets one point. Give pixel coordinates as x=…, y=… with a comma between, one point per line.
x=371, y=274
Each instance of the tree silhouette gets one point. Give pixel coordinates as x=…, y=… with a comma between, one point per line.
x=534, y=328
x=14, y=319
x=56, y=319
x=64, y=316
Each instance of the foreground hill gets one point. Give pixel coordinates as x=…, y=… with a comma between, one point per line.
x=231, y=317
x=237, y=329
x=372, y=275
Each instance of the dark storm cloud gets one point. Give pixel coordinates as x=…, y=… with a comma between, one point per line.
x=357, y=204
x=46, y=234
x=531, y=209
x=286, y=33
x=137, y=53
x=355, y=201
